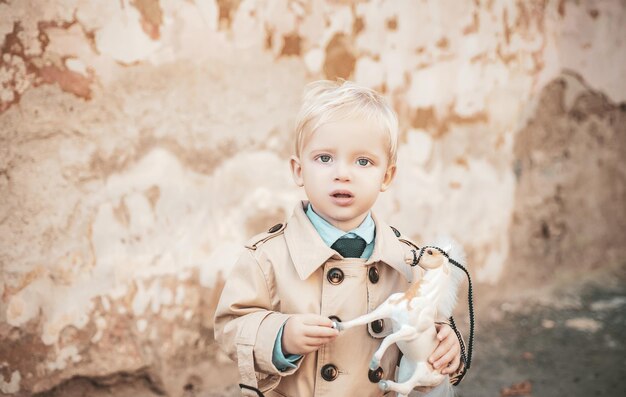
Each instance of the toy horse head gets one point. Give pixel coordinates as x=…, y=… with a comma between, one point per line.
x=431, y=258
x=433, y=262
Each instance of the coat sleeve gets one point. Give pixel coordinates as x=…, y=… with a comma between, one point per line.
x=247, y=324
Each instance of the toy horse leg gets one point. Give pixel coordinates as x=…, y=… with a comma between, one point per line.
x=423, y=376
x=382, y=311
x=406, y=332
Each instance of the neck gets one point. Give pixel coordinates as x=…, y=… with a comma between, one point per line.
x=414, y=289
x=425, y=282
x=345, y=226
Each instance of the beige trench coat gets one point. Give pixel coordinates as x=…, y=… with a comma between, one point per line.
x=285, y=271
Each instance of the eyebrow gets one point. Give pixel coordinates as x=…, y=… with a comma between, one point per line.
x=323, y=150
x=368, y=154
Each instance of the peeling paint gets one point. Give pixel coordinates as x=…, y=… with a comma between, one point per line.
x=64, y=357
x=227, y=9
x=340, y=59
x=100, y=326
x=24, y=65
x=130, y=189
x=142, y=325
x=69, y=81
x=151, y=16
x=13, y=385
x=126, y=25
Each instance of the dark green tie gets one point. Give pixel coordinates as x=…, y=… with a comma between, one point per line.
x=349, y=247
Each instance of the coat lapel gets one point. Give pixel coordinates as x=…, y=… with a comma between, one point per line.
x=308, y=251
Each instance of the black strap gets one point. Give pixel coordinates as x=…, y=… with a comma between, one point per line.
x=258, y=392
x=465, y=356
x=470, y=302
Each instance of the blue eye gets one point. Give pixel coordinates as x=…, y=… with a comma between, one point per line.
x=363, y=162
x=324, y=158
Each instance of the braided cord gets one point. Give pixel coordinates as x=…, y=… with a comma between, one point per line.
x=465, y=356
x=470, y=301
x=254, y=389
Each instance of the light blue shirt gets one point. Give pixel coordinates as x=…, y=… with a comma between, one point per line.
x=366, y=230
x=329, y=234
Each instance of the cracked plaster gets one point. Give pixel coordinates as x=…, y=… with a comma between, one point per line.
x=129, y=131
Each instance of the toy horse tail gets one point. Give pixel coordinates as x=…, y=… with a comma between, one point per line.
x=445, y=389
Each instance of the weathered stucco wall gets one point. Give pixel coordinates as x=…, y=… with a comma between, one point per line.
x=141, y=142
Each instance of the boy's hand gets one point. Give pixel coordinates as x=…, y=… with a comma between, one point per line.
x=447, y=355
x=305, y=333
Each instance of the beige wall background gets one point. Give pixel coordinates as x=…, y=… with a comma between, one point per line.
x=142, y=142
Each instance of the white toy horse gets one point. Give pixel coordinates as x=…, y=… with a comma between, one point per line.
x=432, y=295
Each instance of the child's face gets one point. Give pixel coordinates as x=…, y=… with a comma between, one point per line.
x=343, y=166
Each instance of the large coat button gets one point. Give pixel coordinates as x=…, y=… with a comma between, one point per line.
x=378, y=326
x=275, y=228
x=374, y=276
x=335, y=319
x=335, y=276
x=329, y=372
x=376, y=375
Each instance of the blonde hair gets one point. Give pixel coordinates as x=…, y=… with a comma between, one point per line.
x=327, y=101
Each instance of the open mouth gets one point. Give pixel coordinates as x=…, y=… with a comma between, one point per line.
x=341, y=194
x=342, y=197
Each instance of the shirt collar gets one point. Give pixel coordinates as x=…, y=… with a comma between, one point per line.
x=329, y=233
x=308, y=251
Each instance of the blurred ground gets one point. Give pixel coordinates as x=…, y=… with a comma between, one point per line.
x=568, y=342
x=572, y=345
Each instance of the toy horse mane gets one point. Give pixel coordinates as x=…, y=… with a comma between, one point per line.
x=452, y=250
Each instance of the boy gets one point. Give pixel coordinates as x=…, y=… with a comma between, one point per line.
x=333, y=260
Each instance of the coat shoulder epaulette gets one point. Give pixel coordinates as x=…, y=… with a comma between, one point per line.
x=410, y=248
x=260, y=238
x=404, y=239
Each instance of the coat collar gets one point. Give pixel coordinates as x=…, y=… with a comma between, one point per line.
x=308, y=251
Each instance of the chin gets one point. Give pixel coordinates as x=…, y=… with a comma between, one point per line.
x=351, y=217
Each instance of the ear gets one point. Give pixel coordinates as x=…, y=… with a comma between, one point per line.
x=296, y=170
x=388, y=178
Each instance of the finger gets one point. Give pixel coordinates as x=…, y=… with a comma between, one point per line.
x=443, y=332
x=442, y=348
x=314, y=319
x=314, y=345
x=320, y=331
x=325, y=338
x=317, y=341
x=437, y=354
x=444, y=360
x=306, y=349
x=454, y=365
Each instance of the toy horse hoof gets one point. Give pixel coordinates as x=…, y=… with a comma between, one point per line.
x=383, y=385
x=374, y=364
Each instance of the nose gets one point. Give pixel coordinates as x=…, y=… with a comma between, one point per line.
x=342, y=171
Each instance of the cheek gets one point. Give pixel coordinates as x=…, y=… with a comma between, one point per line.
x=376, y=175
x=313, y=178
x=316, y=170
